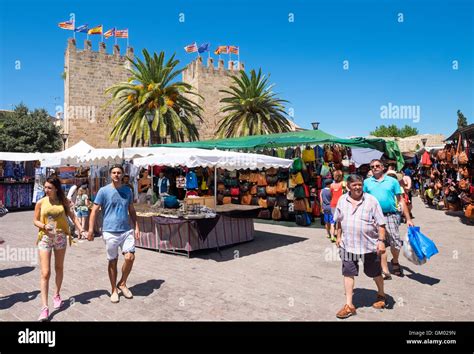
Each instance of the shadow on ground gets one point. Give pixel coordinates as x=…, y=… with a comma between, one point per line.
x=461, y=216
x=15, y=271
x=420, y=278
x=262, y=242
x=10, y=300
x=366, y=297
x=143, y=289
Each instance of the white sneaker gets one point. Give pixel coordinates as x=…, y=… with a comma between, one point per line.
x=114, y=297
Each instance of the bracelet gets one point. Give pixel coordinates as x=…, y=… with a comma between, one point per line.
x=380, y=240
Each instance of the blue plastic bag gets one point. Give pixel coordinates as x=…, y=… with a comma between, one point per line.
x=171, y=202
x=421, y=245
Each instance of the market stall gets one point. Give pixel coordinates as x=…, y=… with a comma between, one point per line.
x=195, y=225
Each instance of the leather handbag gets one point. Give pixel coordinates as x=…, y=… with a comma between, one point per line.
x=463, y=184
x=253, y=177
x=254, y=201
x=464, y=171
x=285, y=214
x=261, y=192
x=220, y=199
x=227, y=200
x=462, y=158
x=271, y=190
x=271, y=202
x=441, y=155
x=253, y=189
x=246, y=199
x=328, y=156
x=306, y=190
x=282, y=186
x=220, y=187
x=316, y=209
x=244, y=187
x=272, y=171
x=299, y=205
x=262, y=202
x=244, y=176
x=300, y=192
x=272, y=179
x=235, y=191
x=283, y=174
x=262, y=180
x=290, y=195
x=276, y=213
x=282, y=201
x=469, y=212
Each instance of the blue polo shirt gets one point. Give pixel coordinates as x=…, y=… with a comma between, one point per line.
x=114, y=203
x=385, y=191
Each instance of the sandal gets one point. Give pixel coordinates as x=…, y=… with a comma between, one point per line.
x=386, y=276
x=396, y=269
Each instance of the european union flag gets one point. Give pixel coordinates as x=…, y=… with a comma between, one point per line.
x=82, y=29
x=203, y=48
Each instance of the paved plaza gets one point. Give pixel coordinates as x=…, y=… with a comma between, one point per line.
x=285, y=274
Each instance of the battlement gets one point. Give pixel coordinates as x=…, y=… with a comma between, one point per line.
x=196, y=68
x=72, y=50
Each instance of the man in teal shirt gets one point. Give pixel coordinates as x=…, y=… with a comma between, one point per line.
x=388, y=192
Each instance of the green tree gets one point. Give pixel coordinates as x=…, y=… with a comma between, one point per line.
x=251, y=108
x=394, y=131
x=26, y=131
x=150, y=91
x=462, y=121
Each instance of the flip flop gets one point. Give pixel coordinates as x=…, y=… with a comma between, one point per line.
x=396, y=269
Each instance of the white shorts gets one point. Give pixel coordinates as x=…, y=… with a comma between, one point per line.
x=114, y=240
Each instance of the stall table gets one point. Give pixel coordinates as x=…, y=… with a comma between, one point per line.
x=233, y=224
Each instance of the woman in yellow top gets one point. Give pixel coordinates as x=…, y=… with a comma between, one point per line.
x=51, y=214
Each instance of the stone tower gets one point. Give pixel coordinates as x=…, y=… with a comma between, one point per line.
x=207, y=81
x=87, y=75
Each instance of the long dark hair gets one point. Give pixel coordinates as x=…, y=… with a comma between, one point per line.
x=54, y=180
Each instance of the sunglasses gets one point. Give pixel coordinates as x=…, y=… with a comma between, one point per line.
x=375, y=166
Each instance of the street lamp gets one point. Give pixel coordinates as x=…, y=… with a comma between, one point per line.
x=64, y=136
x=315, y=125
x=423, y=141
x=149, y=117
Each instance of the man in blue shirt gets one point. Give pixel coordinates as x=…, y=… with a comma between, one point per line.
x=388, y=193
x=116, y=201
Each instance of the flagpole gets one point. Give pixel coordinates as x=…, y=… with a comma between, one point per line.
x=127, y=38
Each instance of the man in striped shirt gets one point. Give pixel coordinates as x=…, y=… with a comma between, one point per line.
x=360, y=236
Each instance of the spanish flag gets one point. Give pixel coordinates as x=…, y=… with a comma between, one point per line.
x=234, y=49
x=67, y=25
x=222, y=49
x=95, y=30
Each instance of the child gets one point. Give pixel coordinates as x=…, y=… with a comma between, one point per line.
x=82, y=208
x=325, y=198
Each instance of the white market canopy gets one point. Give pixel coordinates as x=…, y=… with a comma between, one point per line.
x=66, y=157
x=20, y=156
x=194, y=157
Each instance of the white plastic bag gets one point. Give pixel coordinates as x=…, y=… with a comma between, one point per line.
x=409, y=254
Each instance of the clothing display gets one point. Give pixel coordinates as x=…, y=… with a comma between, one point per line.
x=191, y=180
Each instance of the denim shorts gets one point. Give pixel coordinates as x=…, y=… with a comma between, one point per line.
x=82, y=213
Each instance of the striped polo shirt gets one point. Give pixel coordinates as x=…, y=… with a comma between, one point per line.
x=359, y=224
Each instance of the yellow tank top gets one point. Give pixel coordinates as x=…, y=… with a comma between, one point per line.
x=58, y=214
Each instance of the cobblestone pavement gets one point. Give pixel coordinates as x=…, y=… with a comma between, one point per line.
x=285, y=274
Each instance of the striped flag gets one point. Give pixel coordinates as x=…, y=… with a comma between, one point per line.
x=192, y=48
x=222, y=49
x=67, y=25
x=81, y=29
x=121, y=33
x=95, y=30
x=234, y=49
x=109, y=33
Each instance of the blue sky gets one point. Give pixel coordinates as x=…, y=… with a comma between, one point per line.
x=402, y=63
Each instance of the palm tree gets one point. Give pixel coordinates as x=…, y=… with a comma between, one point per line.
x=149, y=92
x=252, y=108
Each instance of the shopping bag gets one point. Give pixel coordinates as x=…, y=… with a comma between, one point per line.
x=410, y=254
x=422, y=245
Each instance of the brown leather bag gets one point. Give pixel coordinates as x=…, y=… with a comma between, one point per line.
x=282, y=186
x=272, y=171
x=262, y=180
x=300, y=205
x=227, y=200
x=246, y=199
x=464, y=171
x=221, y=187
x=253, y=177
x=469, y=212
x=328, y=156
x=441, y=155
x=276, y=213
x=244, y=176
x=462, y=158
x=253, y=189
x=449, y=153
x=262, y=202
x=271, y=190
